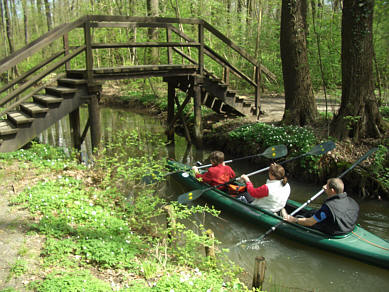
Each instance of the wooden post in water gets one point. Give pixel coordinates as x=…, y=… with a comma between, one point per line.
x=197, y=114
x=74, y=118
x=210, y=250
x=259, y=272
x=170, y=110
x=94, y=116
x=170, y=220
x=257, y=89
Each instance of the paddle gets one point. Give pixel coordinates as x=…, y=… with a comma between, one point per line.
x=271, y=152
x=317, y=150
x=317, y=194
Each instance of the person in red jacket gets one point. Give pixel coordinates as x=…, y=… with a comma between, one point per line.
x=218, y=173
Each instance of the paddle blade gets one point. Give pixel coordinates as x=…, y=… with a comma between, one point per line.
x=275, y=151
x=189, y=196
x=322, y=148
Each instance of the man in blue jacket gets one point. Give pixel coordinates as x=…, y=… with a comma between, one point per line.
x=338, y=214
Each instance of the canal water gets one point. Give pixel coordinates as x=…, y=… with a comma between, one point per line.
x=291, y=266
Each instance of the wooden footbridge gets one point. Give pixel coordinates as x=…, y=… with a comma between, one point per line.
x=65, y=80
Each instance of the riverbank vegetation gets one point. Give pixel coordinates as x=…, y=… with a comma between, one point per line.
x=103, y=230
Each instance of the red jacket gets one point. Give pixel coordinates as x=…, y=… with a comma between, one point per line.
x=217, y=175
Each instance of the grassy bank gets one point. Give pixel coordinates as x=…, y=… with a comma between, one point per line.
x=102, y=230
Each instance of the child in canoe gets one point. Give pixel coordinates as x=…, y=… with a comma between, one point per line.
x=218, y=173
x=273, y=195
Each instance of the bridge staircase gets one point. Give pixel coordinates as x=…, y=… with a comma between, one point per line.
x=28, y=119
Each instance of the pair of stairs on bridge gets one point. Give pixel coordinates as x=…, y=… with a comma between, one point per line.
x=31, y=118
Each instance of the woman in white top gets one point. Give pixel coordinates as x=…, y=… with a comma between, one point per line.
x=273, y=195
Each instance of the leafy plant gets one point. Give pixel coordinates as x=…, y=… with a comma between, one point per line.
x=44, y=156
x=297, y=139
x=380, y=166
x=17, y=269
x=71, y=281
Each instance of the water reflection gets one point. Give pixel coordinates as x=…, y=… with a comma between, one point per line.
x=289, y=263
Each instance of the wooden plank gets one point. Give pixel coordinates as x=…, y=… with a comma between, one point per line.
x=169, y=51
x=193, y=61
x=72, y=81
x=201, y=48
x=6, y=128
x=112, y=18
x=142, y=45
x=41, y=42
x=19, y=118
x=47, y=99
x=126, y=25
x=34, y=109
x=88, y=52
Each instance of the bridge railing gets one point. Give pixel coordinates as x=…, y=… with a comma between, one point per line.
x=32, y=81
x=24, y=87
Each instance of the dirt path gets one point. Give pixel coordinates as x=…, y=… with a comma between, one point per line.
x=17, y=248
x=273, y=107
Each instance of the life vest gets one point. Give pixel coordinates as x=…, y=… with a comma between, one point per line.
x=235, y=190
x=344, y=212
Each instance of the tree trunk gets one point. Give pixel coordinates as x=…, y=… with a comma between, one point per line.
x=300, y=105
x=8, y=27
x=152, y=10
x=10, y=40
x=25, y=20
x=48, y=15
x=358, y=115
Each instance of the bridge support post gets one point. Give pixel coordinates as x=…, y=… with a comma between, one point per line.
x=74, y=118
x=94, y=116
x=170, y=110
x=197, y=114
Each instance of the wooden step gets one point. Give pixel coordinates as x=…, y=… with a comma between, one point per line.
x=6, y=128
x=76, y=74
x=34, y=109
x=61, y=91
x=20, y=118
x=47, y=100
x=231, y=93
x=71, y=82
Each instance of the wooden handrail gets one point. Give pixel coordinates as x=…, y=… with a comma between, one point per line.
x=126, y=24
x=31, y=71
x=230, y=43
x=143, y=45
x=21, y=54
x=211, y=53
x=31, y=82
x=121, y=18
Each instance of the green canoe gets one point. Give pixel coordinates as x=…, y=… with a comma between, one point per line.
x=360, y=244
